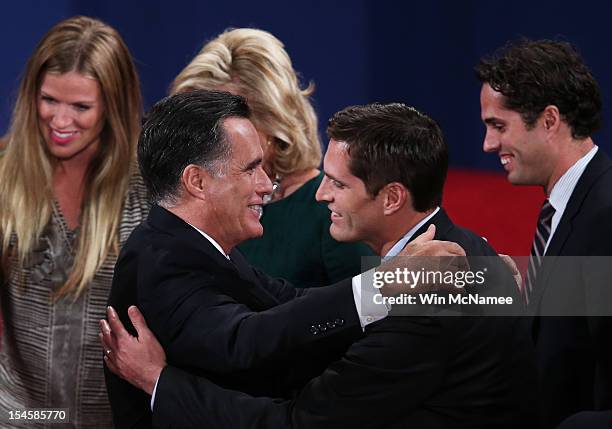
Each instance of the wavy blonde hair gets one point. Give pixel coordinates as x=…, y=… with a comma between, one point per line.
x=93, y=49
x=254, y=64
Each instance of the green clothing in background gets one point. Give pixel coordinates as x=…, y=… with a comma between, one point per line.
x=296, y=244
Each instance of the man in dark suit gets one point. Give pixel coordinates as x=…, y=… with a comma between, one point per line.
x=541, y=105
x=214, y=314
x=385, y=168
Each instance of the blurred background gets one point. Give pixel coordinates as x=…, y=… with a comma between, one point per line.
x=356, y=51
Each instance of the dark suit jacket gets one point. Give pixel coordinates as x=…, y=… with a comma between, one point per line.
x=422, y=372
x=223, y=319
x=574, y=354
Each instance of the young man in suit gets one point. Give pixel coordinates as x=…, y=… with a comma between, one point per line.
x=201, y=160
x=541, y=105
x=385, y=168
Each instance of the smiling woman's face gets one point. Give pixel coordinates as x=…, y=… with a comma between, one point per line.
x=70, y=115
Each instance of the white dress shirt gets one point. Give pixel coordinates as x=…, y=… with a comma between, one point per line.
x=563, y=189
x=367, y=309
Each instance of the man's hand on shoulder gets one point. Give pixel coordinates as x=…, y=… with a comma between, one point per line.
x=138, y=360
x=424, y=254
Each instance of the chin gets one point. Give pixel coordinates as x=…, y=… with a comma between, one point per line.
x=340, y=235
x=256, y=232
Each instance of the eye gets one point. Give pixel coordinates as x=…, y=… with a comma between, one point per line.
x=337, y=184
x=498, y=127
x=47, y=99
x=82, y=107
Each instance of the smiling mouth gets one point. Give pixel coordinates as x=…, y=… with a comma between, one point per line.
x=257, y=208
x=64, y=135
x=335, y=215
x=505, y=160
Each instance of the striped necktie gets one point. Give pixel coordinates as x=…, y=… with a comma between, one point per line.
x=542, y=235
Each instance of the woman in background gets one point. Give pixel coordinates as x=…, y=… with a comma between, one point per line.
x=69, y=197
x=296, y=244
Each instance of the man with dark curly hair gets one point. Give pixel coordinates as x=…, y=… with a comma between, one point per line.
x=541, y=105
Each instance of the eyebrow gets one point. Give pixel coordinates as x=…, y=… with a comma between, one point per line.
x=332, y=177
x=253, y=164
x=46, y=94
x=493, y=120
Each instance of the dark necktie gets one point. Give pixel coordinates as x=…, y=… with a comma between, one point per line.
x=537, y=250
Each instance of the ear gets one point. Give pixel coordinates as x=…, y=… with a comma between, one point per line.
x=194, y=179
x=551, y=119
x=396, y=196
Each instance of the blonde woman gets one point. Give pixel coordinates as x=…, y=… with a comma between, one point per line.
x=296, y=244
x=68, y=200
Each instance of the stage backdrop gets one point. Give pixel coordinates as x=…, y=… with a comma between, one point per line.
x=356, y=51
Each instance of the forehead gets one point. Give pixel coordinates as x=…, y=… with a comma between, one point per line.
x=491, y=100
x=493, y=108
x=71, y=85
x=337, y=160
x=243, y=138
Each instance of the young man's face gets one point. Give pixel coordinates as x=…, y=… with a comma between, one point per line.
x=355, y=214
x=523, y=152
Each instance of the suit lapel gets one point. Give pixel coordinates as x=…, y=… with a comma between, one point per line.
x=598, y=165
x=234, y=277
x=441, y=221
x=263, y=298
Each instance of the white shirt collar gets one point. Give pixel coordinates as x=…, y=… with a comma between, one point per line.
x=212, y=241
x=563, y=189
x=397, y=247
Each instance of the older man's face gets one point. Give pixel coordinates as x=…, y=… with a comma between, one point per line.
x=235, y=199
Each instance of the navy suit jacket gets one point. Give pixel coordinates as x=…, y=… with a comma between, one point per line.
x=574, y=354
x=405, y=372
x=222, y=318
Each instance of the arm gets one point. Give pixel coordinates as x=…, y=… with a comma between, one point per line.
x=201, y=325
x=384, y=384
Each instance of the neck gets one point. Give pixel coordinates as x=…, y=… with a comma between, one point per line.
x=396, y=227
x=569, y=154
x=194, y=214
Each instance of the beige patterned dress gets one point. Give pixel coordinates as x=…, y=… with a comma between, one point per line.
x=50, y=355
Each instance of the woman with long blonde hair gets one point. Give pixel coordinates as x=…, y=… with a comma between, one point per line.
x=296, y=244
x=69, y=197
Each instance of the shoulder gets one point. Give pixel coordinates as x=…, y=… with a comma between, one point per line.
x=472, y=243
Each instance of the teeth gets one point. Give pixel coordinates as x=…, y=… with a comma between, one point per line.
x=63, y=135
x=504, y=161
x=258, y=208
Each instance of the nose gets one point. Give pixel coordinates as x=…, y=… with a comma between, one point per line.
x=323, y=193
x=490, y=143
x=263, y=184
x=62, y=117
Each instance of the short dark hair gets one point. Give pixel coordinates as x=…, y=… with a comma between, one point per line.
x=394, y=143
x=185, y=129
x=534, y=74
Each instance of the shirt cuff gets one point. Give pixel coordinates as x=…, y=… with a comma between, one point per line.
x=364, y=294
x=154, y=390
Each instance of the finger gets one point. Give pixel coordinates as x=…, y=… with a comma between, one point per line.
x=452, y=248
x=107, y=334
x=115, y=324
x=138, y=321
x=105, y=344
x=109, y=363
x=510, y=263
x=426, y=236
x=101, y=338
